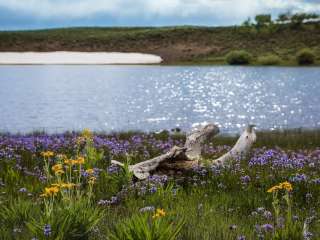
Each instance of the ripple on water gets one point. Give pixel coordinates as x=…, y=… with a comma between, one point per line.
x=58, y=98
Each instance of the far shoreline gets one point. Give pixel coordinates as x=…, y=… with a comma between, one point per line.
x=277, y=45
x=99, y=58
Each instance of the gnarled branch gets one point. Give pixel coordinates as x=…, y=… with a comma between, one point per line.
x=183, y=158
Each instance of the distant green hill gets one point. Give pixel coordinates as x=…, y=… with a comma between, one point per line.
x=176, y=45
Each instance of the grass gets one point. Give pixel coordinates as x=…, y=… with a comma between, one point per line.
x=269, y=60
x=177, y=45
x=207, y=203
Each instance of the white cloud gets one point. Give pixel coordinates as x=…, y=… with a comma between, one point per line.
x=221, y=9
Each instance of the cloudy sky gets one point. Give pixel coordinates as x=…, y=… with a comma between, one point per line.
x=27, y=14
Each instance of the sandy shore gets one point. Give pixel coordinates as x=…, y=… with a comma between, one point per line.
x=77, y=58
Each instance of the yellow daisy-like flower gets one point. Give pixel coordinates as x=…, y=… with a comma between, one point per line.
x=86, y=133
x=59, y=172
x=50, y=191
x=90, y=171
x=69, y=162
x=286, y=185
x=273, y=189
x=159, y=213
x=80, y=160
x=47, y=154
x=57, y=167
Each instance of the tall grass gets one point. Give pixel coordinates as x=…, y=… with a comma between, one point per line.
x=269, y=60
x=106, y=202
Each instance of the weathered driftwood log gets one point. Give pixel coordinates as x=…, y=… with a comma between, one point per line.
x=241, y=148
x=189, y=156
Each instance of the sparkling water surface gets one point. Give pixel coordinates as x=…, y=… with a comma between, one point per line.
x=148, y=98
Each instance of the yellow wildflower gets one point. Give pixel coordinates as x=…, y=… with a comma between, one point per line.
x=50, y=191
x=86, y=133
x=90, y=171
x=159, y=213
x=286, y=185
x=69, y=162
x=47, y=154
x=273, y=189
x=80, y=160
x=59, y=172
x=57, y=167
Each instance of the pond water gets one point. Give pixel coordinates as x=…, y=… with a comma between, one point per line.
x=111, y=98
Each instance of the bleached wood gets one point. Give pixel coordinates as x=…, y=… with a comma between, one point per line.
x=189, y=156
x=196, y=139
x=241, y=148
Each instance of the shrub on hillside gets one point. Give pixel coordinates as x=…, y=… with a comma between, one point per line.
x=269, y=60
x=305, y=57
x=238, y=57
x=263, y=19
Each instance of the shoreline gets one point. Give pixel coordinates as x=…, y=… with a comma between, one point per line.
x=178, y=45
x=77, y=58
x=223, y=133
x=70, y=58
x=288, y=139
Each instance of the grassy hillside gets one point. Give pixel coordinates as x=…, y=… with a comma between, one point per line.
x=203, y=45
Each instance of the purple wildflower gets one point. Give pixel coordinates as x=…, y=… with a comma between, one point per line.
x=242, y=237
x=316, y=181
x=299, y=178
x=47, y=230
x=267, y=227
x=112, y=169
x=245, y=179
x=307, y=235
x=153, y=189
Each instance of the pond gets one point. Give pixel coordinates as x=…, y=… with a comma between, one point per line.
x=57, y=98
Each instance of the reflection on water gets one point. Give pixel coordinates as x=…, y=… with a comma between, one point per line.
x=59, y=98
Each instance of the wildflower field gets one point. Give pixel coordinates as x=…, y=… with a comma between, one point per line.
x=62, y=186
